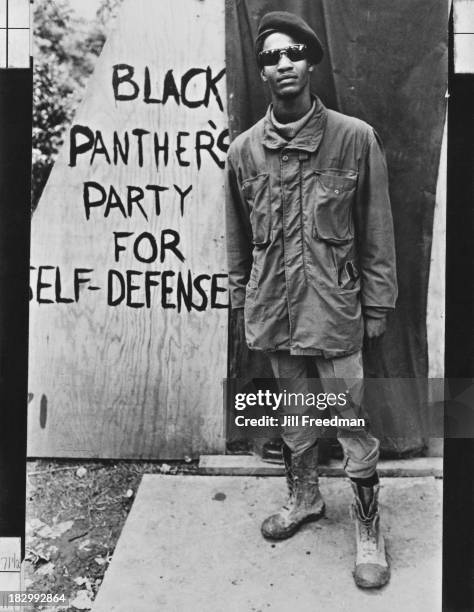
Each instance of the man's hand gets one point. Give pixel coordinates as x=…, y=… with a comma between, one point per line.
x=374, y=330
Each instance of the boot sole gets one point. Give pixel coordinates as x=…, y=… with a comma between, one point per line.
x=311, y=518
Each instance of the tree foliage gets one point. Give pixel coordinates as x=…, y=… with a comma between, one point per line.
x=65, y=50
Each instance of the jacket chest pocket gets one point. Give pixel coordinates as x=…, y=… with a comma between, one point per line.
x=256, y=192
x=332, y=210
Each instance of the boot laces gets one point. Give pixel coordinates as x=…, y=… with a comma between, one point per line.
x=368, y=535
x=287, y=506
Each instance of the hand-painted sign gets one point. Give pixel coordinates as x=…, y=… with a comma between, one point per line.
x=128, y=290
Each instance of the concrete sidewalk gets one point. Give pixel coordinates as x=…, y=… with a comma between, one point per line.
x=193, y=543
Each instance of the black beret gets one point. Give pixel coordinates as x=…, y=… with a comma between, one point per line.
x=294, y=26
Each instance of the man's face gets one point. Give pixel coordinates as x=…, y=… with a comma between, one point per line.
x=286, y=79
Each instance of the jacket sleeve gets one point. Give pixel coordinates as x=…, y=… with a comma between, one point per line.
x=238, y=242
x=374, y=228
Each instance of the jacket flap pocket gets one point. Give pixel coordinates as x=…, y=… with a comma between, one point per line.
x=338, y=182
x=333, y=198
x=252, y=186
x=256, y=192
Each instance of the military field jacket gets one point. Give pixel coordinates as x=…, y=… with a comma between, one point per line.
x=309, y=234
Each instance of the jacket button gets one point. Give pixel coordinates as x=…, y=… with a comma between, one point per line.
x=285, y=158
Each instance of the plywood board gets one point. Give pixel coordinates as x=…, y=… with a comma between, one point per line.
x=129, y=321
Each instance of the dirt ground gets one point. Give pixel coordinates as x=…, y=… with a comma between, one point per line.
x=75, y=514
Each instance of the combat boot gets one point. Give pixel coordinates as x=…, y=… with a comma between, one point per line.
x=371, y=567
x=304, y=503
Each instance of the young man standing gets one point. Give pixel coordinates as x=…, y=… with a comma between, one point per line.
x=312, y=266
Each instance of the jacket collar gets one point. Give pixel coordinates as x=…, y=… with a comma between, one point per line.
x=307, y=139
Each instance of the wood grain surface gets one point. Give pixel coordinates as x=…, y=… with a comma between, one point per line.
x=116, y=381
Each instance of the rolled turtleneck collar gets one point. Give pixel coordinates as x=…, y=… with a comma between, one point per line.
x=289, y=130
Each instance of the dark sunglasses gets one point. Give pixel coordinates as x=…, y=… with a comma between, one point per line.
x=271, y=57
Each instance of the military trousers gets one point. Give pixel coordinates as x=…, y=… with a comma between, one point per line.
x=339, y=375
